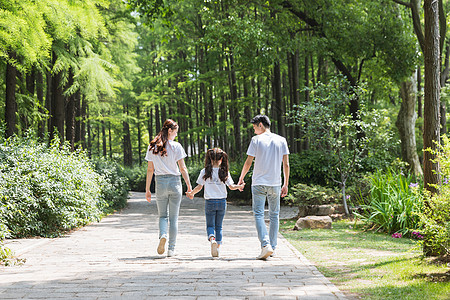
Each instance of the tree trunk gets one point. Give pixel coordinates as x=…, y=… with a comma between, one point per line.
x=83, y=121
x=277, y=98
x=78, y=118
x=104, y=138
x=127, y=152
x=10, y=101
x=40, y=97
x=70, y=116
x=48, y=101
x=431, y=130
x=234, y=111
x=405, y=123
x=58, y=104
x=138, y=124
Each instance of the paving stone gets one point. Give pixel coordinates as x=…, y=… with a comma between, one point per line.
x=116, y=258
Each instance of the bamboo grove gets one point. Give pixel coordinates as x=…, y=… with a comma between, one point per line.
x=104, y=74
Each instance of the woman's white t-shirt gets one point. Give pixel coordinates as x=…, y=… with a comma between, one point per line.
x=167, y=165
x=214, y=187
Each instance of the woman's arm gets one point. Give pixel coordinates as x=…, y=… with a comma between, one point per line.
x=197, y=189
x=148, y=181
x=185, y=174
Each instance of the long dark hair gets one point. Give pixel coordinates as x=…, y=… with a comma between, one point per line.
x=158, y=144
x=213, y=155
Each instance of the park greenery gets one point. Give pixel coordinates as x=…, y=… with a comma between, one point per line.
x=350, y=84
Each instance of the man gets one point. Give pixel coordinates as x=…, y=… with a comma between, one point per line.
x=269, y=151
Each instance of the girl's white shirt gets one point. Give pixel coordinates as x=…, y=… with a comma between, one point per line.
x=167, y=165
x=214, y=188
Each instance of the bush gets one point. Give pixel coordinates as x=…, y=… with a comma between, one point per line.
x=395, y=200
x=114, y=186
x=302, y=194
x=48, y=189
x=311, y=167
x=137, y=176
x=435, y=218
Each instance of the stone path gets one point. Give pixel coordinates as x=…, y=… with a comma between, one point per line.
x=117, y=258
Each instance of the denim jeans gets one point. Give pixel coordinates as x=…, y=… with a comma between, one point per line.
x=168, y=200
x=272, y=193
x=215, y=212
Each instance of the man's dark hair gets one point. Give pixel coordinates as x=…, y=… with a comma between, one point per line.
x=261, y=119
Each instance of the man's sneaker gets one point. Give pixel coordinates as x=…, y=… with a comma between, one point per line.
x=162, y=245
x=170, y=253
x=274, y=253
x=266, y=251
x=214, y=250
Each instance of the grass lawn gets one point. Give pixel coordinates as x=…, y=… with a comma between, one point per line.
x=367, y=265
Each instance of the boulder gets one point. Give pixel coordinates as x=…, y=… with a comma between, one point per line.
x=313, y=222
x=315, y=210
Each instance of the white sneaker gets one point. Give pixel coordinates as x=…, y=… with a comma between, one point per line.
x=170, y=253
x=265, y=252
x=214, y=249
x=274, y=253
x=162, y=245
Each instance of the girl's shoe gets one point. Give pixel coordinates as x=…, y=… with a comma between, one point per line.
x=214, y=249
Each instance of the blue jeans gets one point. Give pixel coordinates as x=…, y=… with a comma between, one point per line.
x=215, y=212
x=272, y=193
x=168, y=200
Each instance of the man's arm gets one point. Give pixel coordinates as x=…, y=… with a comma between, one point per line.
x=148, y=181
x=245, y=168
x=286, y=169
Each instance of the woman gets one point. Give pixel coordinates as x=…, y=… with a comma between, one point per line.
x=166, y=160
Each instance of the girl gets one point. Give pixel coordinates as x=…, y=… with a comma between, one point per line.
x=164, y=157
x=215, y=177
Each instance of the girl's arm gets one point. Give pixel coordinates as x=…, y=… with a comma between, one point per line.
x=185, y=174
x=197, y=189
x=148, y=181
x=236, y=186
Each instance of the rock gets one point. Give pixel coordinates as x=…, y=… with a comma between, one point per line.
x=339, y=209
x=336, y=217
x=315, y=210
x=313, y=222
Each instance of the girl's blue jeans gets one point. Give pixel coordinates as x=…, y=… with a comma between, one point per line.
x=168, y=199
x=215, y=212
x=272, y=193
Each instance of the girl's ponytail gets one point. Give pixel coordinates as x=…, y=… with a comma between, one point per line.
x=214, y=155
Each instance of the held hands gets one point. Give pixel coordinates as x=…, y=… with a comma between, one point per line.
x=241, y=185
x=190, y=194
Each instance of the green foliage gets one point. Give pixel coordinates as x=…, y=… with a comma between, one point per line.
x=311, y=167
x=302, y=194
x=114, y=184
x=395, y=200
x=137, y=176
x=435, y=217
x=48, y=189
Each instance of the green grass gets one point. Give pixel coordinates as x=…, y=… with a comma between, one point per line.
x=367, y=265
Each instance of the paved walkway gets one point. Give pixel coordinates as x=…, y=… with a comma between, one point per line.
x=117, y=258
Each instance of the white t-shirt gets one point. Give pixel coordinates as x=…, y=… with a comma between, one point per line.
x=167, y=165
x=214, y=187
x=268, y=149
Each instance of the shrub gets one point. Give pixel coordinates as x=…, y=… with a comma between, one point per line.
x=395, y=200
x=48, y=189
x=311, y=167
x=435, y=218
x=114, y=186
x=302, y=194
x=137, y=175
